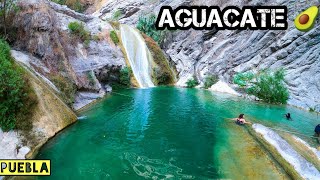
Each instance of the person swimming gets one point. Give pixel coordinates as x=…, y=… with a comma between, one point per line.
x=240, y=120
x=317, y=132
x=288, y=116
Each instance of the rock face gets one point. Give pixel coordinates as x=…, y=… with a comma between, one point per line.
x=43, y=35
x=50, y=116
x=225, y=52
x=300, y=164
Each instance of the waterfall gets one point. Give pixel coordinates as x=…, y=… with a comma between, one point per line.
x=138, y=55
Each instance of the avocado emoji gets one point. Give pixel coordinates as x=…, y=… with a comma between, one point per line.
x=305, y=20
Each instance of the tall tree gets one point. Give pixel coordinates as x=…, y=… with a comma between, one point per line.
x=7, y=8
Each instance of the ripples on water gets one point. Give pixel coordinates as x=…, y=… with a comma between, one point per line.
x=169, y=133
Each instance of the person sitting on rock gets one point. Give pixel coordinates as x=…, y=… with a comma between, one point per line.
x=317, y=132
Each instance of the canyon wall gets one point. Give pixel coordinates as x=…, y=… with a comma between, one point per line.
x=225, y=53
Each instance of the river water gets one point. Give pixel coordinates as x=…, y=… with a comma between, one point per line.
x=172, y=133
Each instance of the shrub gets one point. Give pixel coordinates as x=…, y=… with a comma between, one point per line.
x=78, y=30
x=210, y=80
x=241, y=79
x=267, y=86
x=72, y=4
x=146, y=24
x=116, y=15
x=125, y=75
x=114, y=37
x=15, y=93
x=191, y=83
x=91, y=78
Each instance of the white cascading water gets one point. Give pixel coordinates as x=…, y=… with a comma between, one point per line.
x=138, y=55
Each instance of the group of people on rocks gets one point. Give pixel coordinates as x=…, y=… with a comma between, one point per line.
x=240, y=120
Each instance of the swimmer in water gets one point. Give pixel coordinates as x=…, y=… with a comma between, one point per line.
x=288, y=116
x=240, y=120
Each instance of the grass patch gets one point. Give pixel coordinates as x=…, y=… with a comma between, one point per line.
x=72, y=4
x=78, y=30
x=114, y=37
x=116, y=15
x=115, y=24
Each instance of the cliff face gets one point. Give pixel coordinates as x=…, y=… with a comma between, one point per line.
x=225, y=52
x=44, y=35
x=65, y=59
x=49, y=116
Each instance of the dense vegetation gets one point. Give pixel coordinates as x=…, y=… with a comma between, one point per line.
x=125, y=75
x=114, y=37
x=209, y=81
x=16, y=96
x=267, y=85
x=72, y=4
x=78, y=30
x=8, y=10
x=192, y=82
x=146, y=24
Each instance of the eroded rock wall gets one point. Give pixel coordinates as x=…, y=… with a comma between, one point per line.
x=225, y=52
x=43, y=34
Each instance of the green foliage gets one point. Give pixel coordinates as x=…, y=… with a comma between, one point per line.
x=91, y=78
x=114, y=37
x=67, y=88
x=14, y=91
x=241, y=79
x=267, y=86
x=191, y=83
x=146, y=24
x=161, y=76
x=77, y=6
x=210, y=80
x=116, y=15
x=125, y=75
x=72, y=4
x=8, y=10
x=78, y=30
x=96, y=38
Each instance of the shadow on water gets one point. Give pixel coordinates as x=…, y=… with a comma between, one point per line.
x=168, y=132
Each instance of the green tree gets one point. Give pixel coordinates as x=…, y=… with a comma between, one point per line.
x=192, y=82
x=7, y=8
x=146, y=24
x=11, y=89
x=267, y=85
x=125, y=75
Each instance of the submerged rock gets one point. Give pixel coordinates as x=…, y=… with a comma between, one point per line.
x=300, y=164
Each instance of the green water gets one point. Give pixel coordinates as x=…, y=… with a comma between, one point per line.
x=170, y=133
